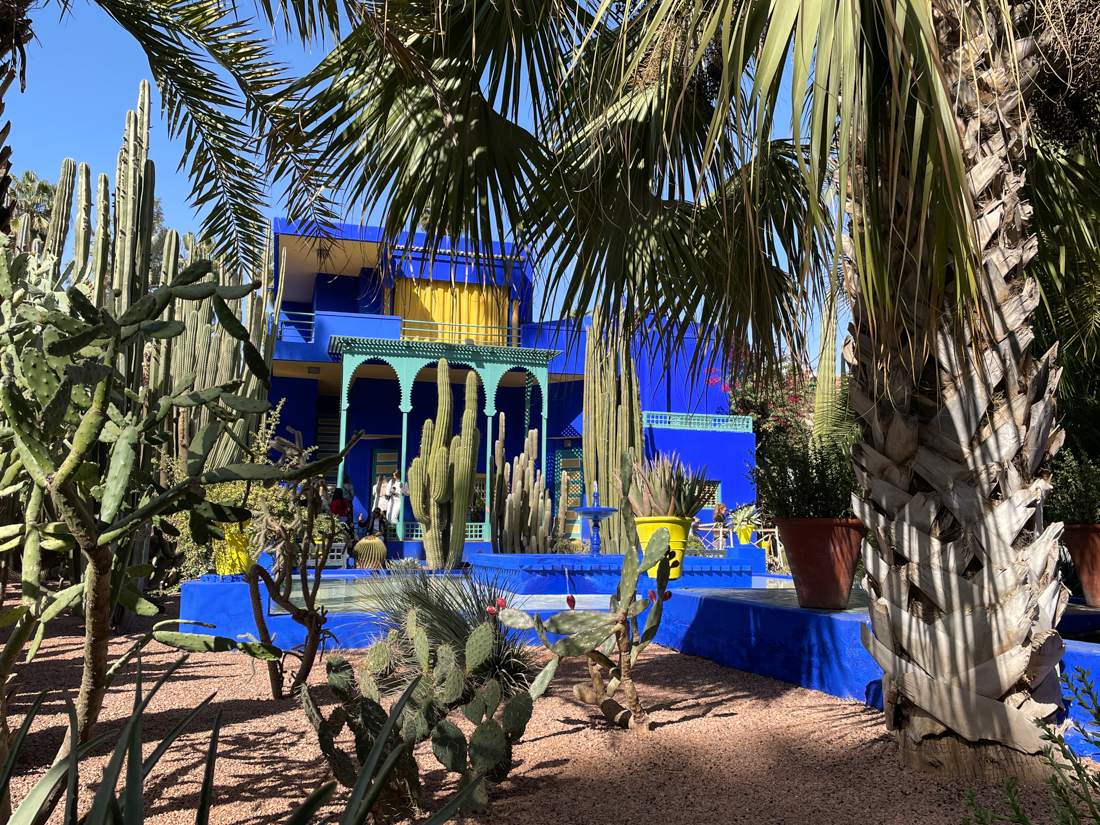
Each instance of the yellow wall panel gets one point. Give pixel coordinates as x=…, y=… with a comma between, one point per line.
x=427, y=306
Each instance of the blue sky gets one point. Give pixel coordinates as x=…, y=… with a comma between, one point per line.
x=83, y=73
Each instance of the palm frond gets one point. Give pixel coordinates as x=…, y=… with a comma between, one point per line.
x=1064, y=189
x=187, y=43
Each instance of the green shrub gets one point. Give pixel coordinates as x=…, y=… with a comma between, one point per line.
x=1075, y=498
x=451, y=608
x=797, y=476
x=1074, y=784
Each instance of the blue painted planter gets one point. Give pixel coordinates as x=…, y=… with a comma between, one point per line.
x=533, y=574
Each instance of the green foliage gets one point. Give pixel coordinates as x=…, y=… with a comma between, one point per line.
x=1074, y=784
x=665, y=486
x=112, y=804
x=1075, y=498
x=441, y=478
x=798, y=476
x=450, y=609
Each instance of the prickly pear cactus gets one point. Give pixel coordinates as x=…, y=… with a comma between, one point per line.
x=364, y=718
x=441, y=478
x=445, y=686
x=600, y=635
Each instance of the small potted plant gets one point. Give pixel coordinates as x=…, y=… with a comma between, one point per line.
x=1075, y=500
x=805, y=486
x=666, y=493
x=744, y=522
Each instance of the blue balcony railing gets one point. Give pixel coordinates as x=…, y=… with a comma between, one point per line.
x=297, y=327
x=485, y=336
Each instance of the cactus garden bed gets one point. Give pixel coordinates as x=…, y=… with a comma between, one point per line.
x=729, y=747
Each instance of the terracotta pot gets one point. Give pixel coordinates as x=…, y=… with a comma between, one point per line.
x=822, y=553
x=1083, y=542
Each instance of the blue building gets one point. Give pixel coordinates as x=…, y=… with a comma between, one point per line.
x=364, y=322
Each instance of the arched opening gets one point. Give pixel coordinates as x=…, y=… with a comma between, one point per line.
x=373, y=406
x=425, y=404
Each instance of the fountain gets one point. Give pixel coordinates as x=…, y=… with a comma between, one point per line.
x=595, y=514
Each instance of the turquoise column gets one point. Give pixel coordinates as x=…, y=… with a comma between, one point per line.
x=405, y=410
x=543, y=376
x=406, y=372
x=347, y=370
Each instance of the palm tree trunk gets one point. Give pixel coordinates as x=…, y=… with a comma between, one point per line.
x=962, y=571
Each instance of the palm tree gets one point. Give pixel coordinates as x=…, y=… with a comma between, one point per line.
x=648, y=176
x=30, y=200
x=219, y=89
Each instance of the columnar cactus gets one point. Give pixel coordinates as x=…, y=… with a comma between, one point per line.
x=81, y=417
x=521, y=515
x=115, y=264
x=441, y=478
x=612, y=421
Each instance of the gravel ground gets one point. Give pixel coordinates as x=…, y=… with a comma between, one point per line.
x=729, y=747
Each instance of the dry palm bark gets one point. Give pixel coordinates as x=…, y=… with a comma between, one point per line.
x=959, y=433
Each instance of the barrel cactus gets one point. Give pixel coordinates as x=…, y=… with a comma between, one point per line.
x=369, y=553
x=441, y=478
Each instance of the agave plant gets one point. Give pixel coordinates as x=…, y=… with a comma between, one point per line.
x=666, y=486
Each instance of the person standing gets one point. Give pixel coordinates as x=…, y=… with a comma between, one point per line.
x=338, y=507
x=393, y=499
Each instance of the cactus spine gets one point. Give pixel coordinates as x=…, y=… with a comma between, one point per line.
x=521, y=516
x=441, y=478
x=612, y=421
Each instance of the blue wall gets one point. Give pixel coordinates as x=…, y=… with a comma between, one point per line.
x=724, y=454
x=299, y=407
x=327, y=324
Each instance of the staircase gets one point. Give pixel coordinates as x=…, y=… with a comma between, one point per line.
x=328, y=442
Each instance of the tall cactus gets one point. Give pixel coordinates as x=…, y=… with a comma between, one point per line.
x=612, y=418
x=441, y=478
x=115, y=262
x=522, y=513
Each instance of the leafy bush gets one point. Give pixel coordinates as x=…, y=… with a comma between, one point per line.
x=451, y=608
x=1075, y=498
x=1074, y=784
x=797, y=476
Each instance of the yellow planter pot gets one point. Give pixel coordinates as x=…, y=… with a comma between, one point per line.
x=744, y=534
x=678, y=530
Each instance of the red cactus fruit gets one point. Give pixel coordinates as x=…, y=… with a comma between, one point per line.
x=652, y=595
x=492, y=610
x=571, y=600
x=501, y=603
x=667, y=596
